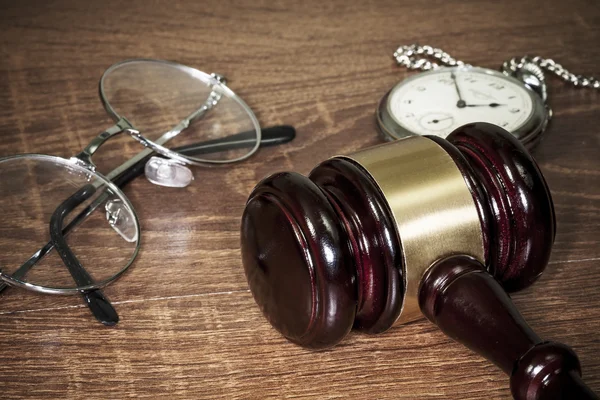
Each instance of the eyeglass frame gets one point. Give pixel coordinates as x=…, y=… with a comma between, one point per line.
x=84, y=160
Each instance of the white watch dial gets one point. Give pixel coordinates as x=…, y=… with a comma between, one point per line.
x=436, y=103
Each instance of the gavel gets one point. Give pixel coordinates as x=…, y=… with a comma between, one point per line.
x=420, y=226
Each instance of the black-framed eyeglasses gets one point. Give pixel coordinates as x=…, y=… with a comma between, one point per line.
x=50, y=205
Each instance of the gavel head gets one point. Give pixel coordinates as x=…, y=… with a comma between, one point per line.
x=349, y=244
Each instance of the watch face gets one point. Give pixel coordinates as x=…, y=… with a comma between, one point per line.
x=439, y=101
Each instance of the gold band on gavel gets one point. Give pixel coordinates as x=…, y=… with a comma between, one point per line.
x=433, y=209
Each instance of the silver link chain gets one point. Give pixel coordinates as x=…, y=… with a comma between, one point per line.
x=426, y=58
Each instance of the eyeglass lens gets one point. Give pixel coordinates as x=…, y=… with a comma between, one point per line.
x=157, y=96
x=42, y=193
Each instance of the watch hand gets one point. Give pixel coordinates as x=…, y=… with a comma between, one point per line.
x=460, y=103
x=493, y=105
x=435, y=121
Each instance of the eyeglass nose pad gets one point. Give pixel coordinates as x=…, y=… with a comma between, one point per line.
x=120, y=219
x=166, y=172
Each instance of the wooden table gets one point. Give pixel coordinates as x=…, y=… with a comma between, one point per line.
x=189, y=326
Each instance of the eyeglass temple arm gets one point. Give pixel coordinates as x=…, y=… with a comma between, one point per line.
x=97, y=303
x=271, y=136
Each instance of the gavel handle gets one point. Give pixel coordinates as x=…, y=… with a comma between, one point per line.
x=470, y=306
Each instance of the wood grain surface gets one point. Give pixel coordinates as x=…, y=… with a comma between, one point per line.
x=189, y=327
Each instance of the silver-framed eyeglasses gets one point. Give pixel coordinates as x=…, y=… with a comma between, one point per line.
x=66, y=228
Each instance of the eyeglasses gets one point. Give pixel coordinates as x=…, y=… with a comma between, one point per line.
x=77, y=227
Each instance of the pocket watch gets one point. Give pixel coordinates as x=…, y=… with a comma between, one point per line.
x=450, y=94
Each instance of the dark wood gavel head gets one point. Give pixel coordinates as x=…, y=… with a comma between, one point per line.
x=420, y=226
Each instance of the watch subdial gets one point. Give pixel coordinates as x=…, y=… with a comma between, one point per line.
x=436, y=121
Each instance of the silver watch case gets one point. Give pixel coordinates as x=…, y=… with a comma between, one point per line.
x=529, y=133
